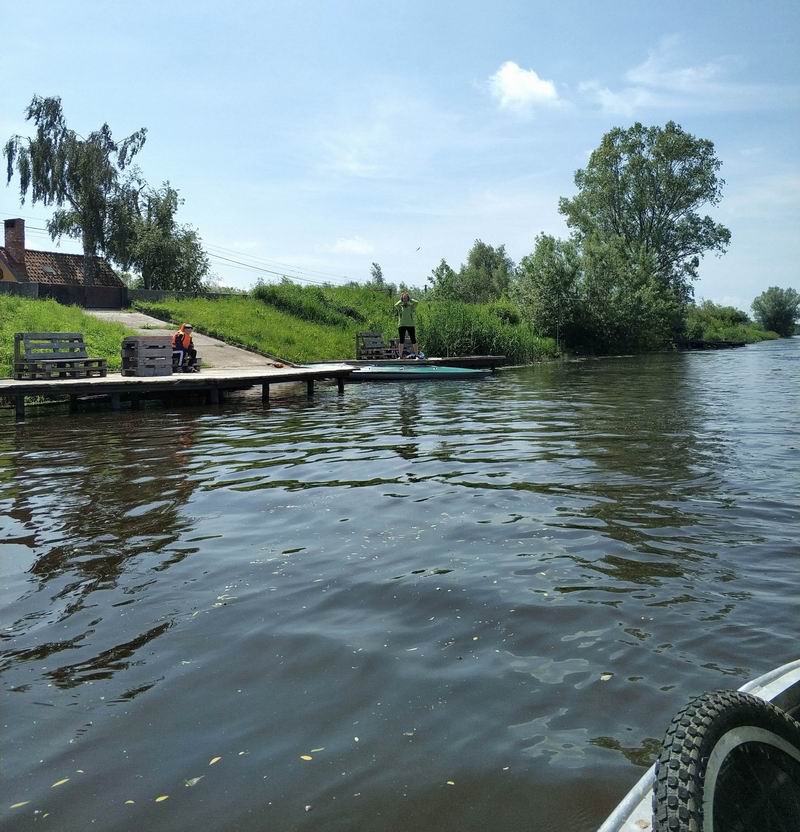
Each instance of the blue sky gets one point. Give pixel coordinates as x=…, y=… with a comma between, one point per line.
x=313, y=138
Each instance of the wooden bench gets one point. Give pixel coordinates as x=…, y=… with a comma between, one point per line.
x=147, y=355
x=370, y=346
x=54, y=355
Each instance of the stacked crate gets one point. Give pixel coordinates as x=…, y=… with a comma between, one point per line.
x=147, y=355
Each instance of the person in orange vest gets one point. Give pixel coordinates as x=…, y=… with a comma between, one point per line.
x=184, y=355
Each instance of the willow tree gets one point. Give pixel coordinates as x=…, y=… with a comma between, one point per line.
x=76, y=175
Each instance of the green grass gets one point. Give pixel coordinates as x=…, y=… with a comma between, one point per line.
x=303, y=324
x=103, y=340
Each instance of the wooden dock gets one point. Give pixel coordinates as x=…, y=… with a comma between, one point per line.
x=213, y=383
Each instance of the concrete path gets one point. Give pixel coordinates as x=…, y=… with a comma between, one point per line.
x=214, y=353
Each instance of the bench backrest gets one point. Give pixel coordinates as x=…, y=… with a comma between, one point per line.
x=52, y=346
x=371, y=345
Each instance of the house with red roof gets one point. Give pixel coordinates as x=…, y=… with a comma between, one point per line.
x=57, y=275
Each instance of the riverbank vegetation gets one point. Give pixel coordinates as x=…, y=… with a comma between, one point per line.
x=709, y=321
x=302, y=323
x=103, y=339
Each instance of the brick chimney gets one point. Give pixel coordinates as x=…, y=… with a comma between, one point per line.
x=15, y=240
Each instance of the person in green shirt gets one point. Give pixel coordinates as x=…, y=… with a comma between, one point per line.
x=407, y=323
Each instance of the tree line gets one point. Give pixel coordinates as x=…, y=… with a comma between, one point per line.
x=622, y=279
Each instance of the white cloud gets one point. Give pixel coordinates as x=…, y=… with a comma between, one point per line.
x=352, y=245
x=521, y=89
x=665, y=80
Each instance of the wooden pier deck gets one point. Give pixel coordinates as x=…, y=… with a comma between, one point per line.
x=211, y=382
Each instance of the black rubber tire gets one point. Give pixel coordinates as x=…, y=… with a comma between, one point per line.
x=681, y=767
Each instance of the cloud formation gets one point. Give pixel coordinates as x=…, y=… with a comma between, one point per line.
x=521, y=90
x=664, y=80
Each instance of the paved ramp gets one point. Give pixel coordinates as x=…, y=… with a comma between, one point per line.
x=214, y=353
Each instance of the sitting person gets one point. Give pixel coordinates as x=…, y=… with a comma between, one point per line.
x=184, y=355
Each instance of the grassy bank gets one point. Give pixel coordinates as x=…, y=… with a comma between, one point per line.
x=317, y=323
x=103, y=340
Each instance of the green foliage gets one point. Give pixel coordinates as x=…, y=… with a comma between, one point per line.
x=486, y=276
x=76, y=175
x=547, y=287
x=596, y=297
x=103, y=339
x=305, y=323
x=709, y=321
x=144, y=236
x=778, y=309
x=644, y=186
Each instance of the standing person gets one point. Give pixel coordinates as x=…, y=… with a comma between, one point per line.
x=407, y=323
x=183, y=349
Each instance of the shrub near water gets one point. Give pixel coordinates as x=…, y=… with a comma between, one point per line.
x=103, y=339
x=709, y=321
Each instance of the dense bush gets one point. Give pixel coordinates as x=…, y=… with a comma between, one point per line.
x=709, y=321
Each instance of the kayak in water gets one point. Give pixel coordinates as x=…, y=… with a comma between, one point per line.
x=415, y=372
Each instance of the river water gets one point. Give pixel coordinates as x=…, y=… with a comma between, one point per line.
x=472, y=607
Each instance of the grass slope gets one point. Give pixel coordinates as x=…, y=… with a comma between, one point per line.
x=303, y=323
x=103, y=340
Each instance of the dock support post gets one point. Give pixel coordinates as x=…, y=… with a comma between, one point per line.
x=136, y=402
x=265, y=394
x=340, y=385
x=115, y=402
x=73, y=404
x=19, y=406
x=213, y=395
x=310, y=388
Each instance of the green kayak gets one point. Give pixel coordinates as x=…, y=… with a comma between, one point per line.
x=415, y=372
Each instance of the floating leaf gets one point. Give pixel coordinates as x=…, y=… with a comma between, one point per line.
x=194, y=781
x=604, y=677
x=214, y=760
x=161, y=798
x=60, y=782
x=306, y=757
x=451, y=782
x=317, y=749
x=19, y=805
x=129, y=802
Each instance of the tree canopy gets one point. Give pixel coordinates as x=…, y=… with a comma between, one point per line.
x=646, y=186
x=143, y=235
x=76, y=175
x=778, y=309
x=486, y=275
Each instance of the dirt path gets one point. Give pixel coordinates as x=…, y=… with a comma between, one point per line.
x=213, y=352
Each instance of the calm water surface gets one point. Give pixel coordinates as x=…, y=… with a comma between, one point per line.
x=474, y=607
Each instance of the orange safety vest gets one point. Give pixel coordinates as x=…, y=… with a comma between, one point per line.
x=181, y=340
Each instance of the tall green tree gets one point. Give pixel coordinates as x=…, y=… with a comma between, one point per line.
x=646, y=186
x=548, y=288
x=778, y=310
x=144, y=236
x=443, y=280
x=487, y=273
x=77, y=175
